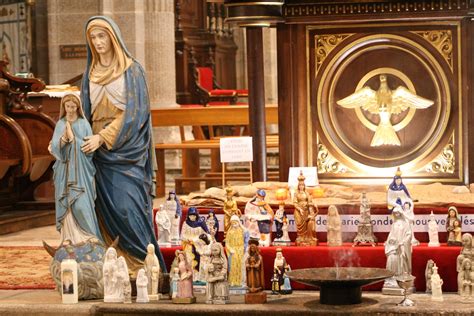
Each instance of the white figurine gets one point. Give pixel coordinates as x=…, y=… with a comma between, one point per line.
x=334, y=227
x=433, y=232
x=436, y=285
x=113, y=291
x=466, y=251
x=465, y=278
x=428, y=273
x=173, y=208
x=142, y=287
x=163, y=224
x=151, y=262
x=124, y=278
x=398, y=248
x=217, y=284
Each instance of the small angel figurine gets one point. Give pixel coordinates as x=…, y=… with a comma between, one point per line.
x=453, y=227
x=428, y=274
x=436, y=285
x=151, y=261
x=163, y=223
x=433, y=232
x=334, y=227
x=142, y=287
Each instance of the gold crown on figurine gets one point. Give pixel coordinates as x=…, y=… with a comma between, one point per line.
x=301, y=177
x=229, y=189
x=398, y=173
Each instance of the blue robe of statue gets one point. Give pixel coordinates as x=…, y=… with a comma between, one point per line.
x=124, y=177
x=74, y=177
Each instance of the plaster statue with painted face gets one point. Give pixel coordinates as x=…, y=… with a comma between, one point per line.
x=259, y=219
x=235, y=245
x=163, y=224
x=173, y=208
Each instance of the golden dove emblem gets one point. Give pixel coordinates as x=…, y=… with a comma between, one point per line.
x=384, y=102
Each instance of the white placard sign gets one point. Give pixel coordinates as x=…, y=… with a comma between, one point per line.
x=310, y=173
x=236, y=149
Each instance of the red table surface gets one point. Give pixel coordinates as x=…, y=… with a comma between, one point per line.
x=366, y=256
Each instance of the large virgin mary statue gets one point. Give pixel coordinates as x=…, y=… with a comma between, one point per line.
x=73, y=175
x=115, y=99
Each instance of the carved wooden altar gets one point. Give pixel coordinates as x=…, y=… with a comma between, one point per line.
x=328, y=51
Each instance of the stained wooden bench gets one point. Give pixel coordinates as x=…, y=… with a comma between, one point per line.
x=198, y=117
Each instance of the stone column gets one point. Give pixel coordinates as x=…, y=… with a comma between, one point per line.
x=160, y=52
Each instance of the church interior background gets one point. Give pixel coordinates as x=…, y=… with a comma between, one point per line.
x=360, y=91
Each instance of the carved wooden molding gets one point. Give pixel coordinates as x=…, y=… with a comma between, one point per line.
x=442, y=40
x=325, y=44
x=327, y=163
x=392, y=7
x=445, y=162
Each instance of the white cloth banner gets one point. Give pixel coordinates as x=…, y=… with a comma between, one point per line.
x=381, y=223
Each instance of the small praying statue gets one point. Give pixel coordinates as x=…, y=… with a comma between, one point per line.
x=217, y=284
x=433, y=232
x=398, y=249
x=142, y=287
x=212, y=224
x=152, y=264
x=428, y=273
x=255, y=275
x=465, y=278
x=334, y=227
x=436, y=286
x=453, y=227
x=174, y=278
x=163, y=224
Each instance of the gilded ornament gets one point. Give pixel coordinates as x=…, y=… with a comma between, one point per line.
x=445, y=162
x=327, y=163
x=384, y=102
x=442, y=41
x=325, y=44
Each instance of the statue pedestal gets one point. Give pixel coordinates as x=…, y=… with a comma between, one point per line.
x=184, y=300
x=256, y=298
x=398, y=291
x=154, y=297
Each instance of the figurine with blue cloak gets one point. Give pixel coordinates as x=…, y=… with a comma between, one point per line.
x=73, y=175
x=75, y=193
x=115, y=98
x=397, y=194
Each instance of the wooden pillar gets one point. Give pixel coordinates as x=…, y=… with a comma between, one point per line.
x=257, y=102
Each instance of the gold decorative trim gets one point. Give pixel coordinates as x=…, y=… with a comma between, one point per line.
x=327, y=163
x=442, y=40
x=446, y=160
x=380, y=7
x=254, y=3
x=325, y=44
